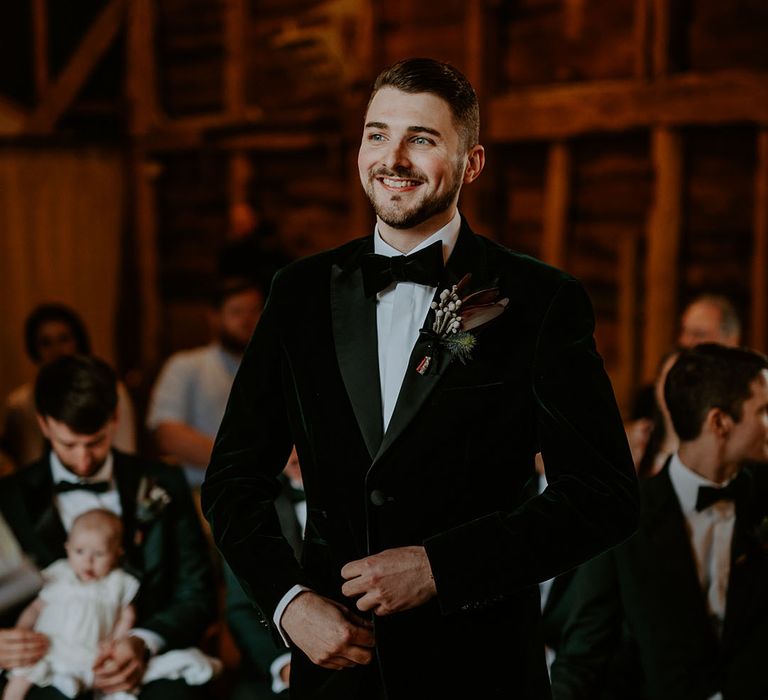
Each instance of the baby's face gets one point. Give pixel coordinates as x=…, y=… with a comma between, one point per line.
x=91, y=553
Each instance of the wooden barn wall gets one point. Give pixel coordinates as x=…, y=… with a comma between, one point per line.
x=627, y=142
x=597, y=202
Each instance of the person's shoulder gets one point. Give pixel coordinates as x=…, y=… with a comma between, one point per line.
x=318, y=265
x=20, y=398
x=160, y=473
x=520, y=266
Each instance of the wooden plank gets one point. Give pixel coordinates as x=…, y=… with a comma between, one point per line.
x=63, y=91
x=556, y=205
x=626, y=381
x=141, y=73
x=565, y=111
x=759, y=319
x=235, y=20
x=143, y=175
x=642, y=34
x=663, y=241
x=40, y=46
x=661, y=38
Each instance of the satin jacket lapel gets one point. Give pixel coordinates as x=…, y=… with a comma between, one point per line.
x=355, y=338
x=748, y=579
x=46, y=522
x=468, y=256
x=672, y=555
x=127, y=480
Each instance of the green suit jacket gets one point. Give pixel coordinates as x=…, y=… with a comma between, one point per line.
x=640, y=608
x=168, y=552
x=534, y=382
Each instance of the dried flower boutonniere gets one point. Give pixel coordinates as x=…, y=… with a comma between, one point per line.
x=151, y=500
x=455, y=317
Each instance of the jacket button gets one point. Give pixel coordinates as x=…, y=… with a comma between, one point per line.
x=379, y=498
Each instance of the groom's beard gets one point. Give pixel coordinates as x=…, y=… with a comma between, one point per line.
x=390, y=209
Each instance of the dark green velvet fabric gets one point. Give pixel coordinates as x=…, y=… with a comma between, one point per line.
x=534, y=382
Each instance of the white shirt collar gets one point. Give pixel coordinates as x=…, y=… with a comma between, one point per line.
x=449, y=234
x=60, y=473
x=686, y=484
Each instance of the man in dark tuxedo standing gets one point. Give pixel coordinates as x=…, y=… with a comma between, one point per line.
x=163, y=543
x=417, y=579
x=686, y=598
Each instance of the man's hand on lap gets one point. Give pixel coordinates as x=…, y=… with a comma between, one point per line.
x=120, y=665
x=21, y=647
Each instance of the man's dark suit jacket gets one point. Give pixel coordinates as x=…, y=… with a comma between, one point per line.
x=650, y=585
x=168, y=553
x=310, y=377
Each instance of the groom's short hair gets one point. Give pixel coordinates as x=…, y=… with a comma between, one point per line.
x=709, y=376
x=77, y=390
x=414, y=75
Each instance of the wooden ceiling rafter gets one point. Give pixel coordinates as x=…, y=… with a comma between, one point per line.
x=60, y=94
x=691, y=99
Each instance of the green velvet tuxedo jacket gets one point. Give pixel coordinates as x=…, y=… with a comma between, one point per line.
x=641, y=614
x=534, y=382
x=167, y=553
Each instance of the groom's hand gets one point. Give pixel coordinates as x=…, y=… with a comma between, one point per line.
x=329, y=634
x=390, y=581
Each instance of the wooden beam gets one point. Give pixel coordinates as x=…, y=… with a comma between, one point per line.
x=63, y=91
x=759, y=320
x=40, y=46
x=642, y=26
x=663, y=240
x=628, y=254
x=141, y=73
x=557, y=195
x=565, y=111
x=235, y=20
x=12, y=117
x=143, y=175
x=661, y=38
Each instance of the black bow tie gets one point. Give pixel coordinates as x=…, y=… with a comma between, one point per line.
x=708, y=495
x=422, y=267
x=92, y=486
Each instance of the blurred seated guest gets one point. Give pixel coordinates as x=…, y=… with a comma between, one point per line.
x=50, y=331
x=709, y=318
x=87, y=604
x=252, y=249
x=191, y=392
x=76, y=399
x=689, y=589
x=265, y=667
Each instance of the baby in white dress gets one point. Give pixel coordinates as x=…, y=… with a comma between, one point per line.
x=85, y=602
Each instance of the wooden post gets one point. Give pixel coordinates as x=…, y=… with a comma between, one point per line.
x=661, y=38
x=663, y=237
x=627, y=318
x=141, y=81
x=574, y=19
x=40, y=46
x=642, y=39
x=70, y=81
x=234, y=57
x=556, y=204
x=759, y=320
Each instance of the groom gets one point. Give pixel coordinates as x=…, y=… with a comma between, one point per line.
x=421, y=559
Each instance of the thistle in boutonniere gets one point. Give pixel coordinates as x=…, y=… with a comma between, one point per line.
x=455, y=317
x=151, y=500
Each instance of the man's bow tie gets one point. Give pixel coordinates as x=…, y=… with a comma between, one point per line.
x=423, y=267
x=92, y=486
x=708, y=495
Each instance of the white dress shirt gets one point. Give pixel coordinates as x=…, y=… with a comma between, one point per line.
x=401, y=310
x=711, y=532
x=70, y=504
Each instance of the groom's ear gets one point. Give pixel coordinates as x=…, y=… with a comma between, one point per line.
x=475, y=164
